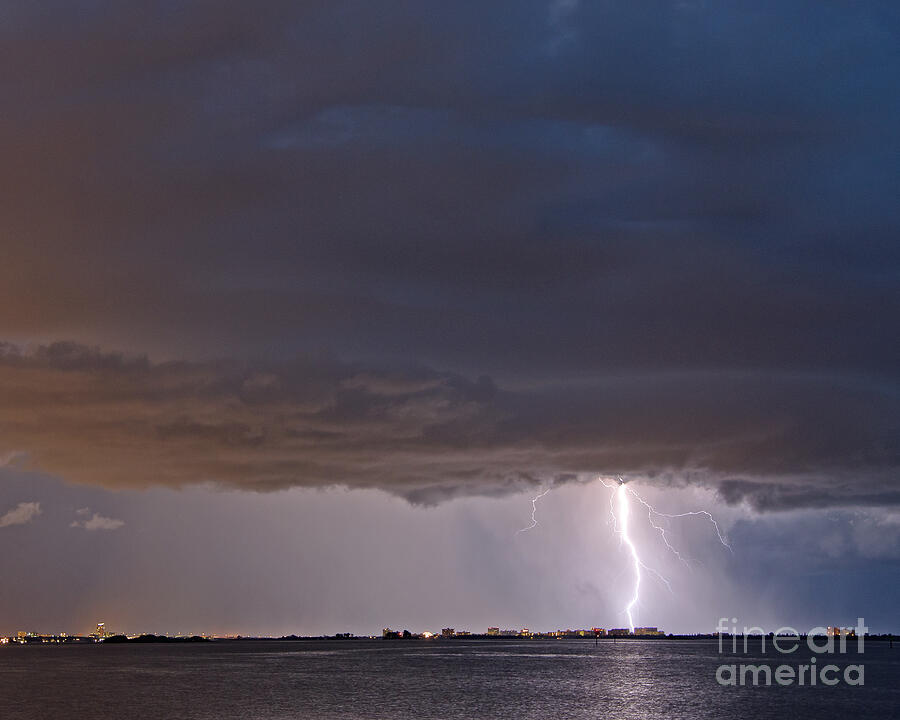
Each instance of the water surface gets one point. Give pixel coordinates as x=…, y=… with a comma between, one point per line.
x=400, y=680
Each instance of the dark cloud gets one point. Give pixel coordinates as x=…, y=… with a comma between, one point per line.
x=778, y=442
x=665, y=230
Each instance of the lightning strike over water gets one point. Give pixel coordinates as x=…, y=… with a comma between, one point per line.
x=624, y=512
x=534, y=522
x=620, y=516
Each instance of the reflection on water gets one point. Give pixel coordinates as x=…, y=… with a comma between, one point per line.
x=475, y=680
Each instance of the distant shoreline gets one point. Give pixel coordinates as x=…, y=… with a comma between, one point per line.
x=148, y=639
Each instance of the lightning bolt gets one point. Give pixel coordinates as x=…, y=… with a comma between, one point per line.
x=624, y=513
x=651, y=511
x=620, y=516
x=534, y=522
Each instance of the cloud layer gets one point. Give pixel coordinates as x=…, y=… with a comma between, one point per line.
x=779, y=441
x=671, y=185
x=666, y=232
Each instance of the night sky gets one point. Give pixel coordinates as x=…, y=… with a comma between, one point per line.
x=301, y=303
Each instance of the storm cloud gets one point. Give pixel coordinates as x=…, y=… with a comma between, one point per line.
x=509, y=245
x=778, y=441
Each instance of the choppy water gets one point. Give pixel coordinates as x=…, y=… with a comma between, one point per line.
x=475, y=680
